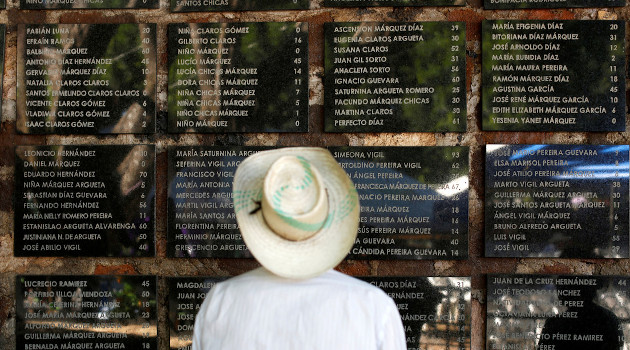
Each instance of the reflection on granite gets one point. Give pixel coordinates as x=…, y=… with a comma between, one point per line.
x=395, y=77
x=86, y=312
x=185, y=296
x=414, y=201
x=557, y=312
x=238, y=77
x=436, y=311
x=86, y=78
x=85, y=200
x=568, y=201
x=201, y=220
x=540, y=75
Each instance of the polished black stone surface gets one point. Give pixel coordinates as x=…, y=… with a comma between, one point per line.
x=86, y=78
x=201, y=221
x=361, y=3
x=552, y=312
x=414, y=201
x=87, y=4
x=185, y=296
x=86, y=312
x=238, y=77
x=568, y=201
x=435, y=311
x=395, y=77
x=237, y=5
x=522, y=4
x=84, y=201
x=553, y=75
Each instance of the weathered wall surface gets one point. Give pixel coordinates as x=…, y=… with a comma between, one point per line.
x=476, y=266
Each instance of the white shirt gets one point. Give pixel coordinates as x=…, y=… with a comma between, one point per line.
x=259, y=310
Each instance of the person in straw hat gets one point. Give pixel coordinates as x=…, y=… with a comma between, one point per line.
x=298, y=213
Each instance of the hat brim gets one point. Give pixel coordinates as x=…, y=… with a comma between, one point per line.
x=314, y=255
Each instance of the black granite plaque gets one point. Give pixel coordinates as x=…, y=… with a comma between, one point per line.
x=395, y=77
x=522, y=4
x=86, y=312
x=185, y=296
x=566, y=201
x=435, y=311
x=365, y=3
x=87, y=4
x=414, y=201
x=237, y=5
x=86, y=78
x=84, y=201
x=551, y=312
x=553, y=75
x=201, y=219
x=238, y=77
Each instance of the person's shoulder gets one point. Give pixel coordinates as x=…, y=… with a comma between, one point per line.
x=358, y=292
x=245, y=278
x=343, y=280
x=334, y=276
x=260, y=279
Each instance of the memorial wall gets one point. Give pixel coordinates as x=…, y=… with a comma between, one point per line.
x=487, y=141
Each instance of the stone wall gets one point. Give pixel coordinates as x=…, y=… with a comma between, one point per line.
x=476, y=266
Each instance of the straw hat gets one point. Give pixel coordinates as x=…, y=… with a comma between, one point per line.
x=297, y=210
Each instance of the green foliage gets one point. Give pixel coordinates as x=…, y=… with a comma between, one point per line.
x=124, y=49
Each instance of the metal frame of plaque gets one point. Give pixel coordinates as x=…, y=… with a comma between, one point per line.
x=414, y=201
x=66, y=312
x=84, y=200
x=394, y=3
x=238, y=77
x=395, y=77
x=553, y=75
x=235, y=5
x=568, y=201
x=546, y=312
x=185, y=296
x=86, y=78
x=435, y=311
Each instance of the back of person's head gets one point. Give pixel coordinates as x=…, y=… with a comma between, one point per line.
x=297, y=210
